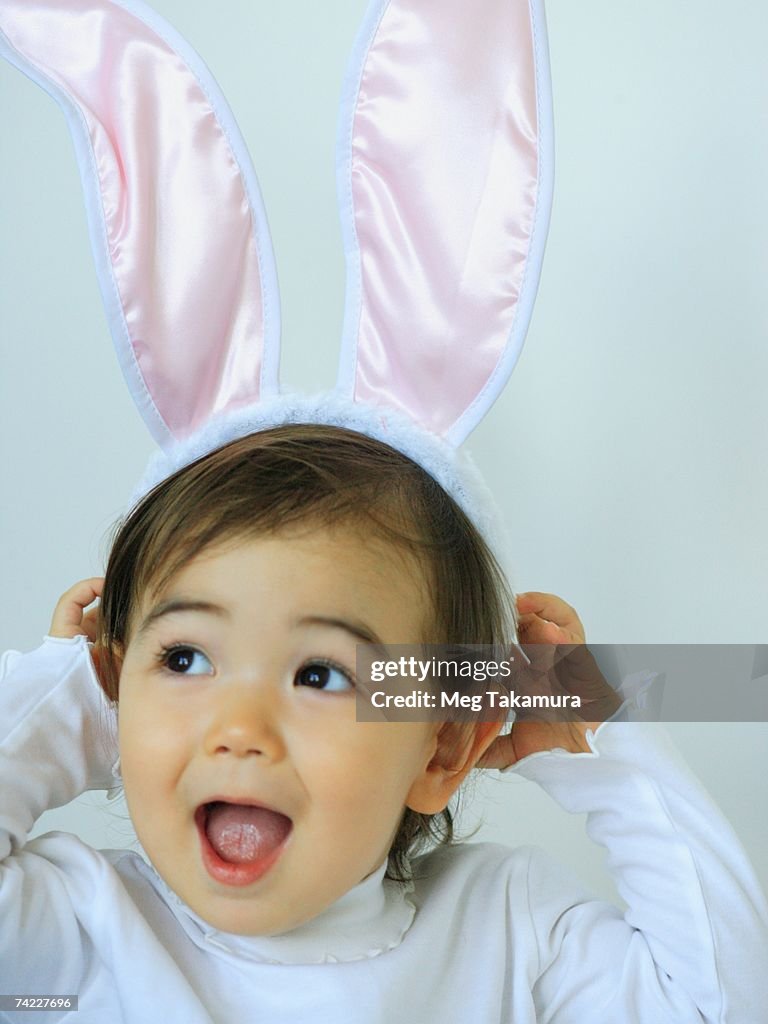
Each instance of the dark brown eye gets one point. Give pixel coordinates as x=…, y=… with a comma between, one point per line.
x=314, y=675
x=187, y=661
x=321, y=676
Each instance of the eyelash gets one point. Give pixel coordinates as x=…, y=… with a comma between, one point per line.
x=166, y=652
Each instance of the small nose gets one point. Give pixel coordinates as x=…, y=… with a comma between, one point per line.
x=244, y=723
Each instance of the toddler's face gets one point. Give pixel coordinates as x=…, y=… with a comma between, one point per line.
x=229, y=692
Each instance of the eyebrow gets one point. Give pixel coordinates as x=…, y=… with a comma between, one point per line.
x=356, y=629
x=180, y=604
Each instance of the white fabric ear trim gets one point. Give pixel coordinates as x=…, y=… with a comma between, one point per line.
x=453, y=470
x=345, y=381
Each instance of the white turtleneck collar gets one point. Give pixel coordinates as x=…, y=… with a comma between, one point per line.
x=369, y=919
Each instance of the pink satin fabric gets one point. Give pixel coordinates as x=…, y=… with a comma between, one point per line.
x=178, y=220
x=444, y=185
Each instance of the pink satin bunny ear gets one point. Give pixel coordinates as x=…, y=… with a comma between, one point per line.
x=176, y=220
x=445, y=175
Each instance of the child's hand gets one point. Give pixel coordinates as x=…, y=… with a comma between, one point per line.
x=547, y=619
x=70, y=618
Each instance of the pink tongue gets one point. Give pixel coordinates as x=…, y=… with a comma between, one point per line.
x=242, y=834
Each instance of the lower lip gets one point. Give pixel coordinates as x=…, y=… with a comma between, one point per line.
x=234, y=874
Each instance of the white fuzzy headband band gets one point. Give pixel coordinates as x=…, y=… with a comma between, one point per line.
x=452, y=469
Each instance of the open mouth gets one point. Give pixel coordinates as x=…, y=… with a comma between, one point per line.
x=240, y=841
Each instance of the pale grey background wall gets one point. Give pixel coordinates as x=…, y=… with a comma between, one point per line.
x=628, y=452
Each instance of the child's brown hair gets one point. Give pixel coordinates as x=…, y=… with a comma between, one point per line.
x=312, y=475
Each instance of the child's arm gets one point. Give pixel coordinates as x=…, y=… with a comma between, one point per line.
x=692, y=944
x=57, y=740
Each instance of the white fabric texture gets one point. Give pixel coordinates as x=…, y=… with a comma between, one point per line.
x=452, y=468
x=497, y=934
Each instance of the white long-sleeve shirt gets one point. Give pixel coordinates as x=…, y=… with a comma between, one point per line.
x=485, y=934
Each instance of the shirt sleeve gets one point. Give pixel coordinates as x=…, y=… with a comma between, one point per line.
x=692, y=944
x=58, y=739
x=7, y=661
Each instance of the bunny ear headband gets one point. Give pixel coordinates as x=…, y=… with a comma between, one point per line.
x=444, y=162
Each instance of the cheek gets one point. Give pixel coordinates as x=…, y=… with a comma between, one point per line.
x=147, y=744
x=366, y=766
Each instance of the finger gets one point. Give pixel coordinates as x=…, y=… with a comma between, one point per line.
x=547, y=606
x=68, y=614
x=552, y=608
x=599, y=701
x=89, y=624
x=499, y=754
x=535, y=630
x=578, y=674
x=84, y=592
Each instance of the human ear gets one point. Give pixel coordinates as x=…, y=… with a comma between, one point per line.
x=458, y=749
